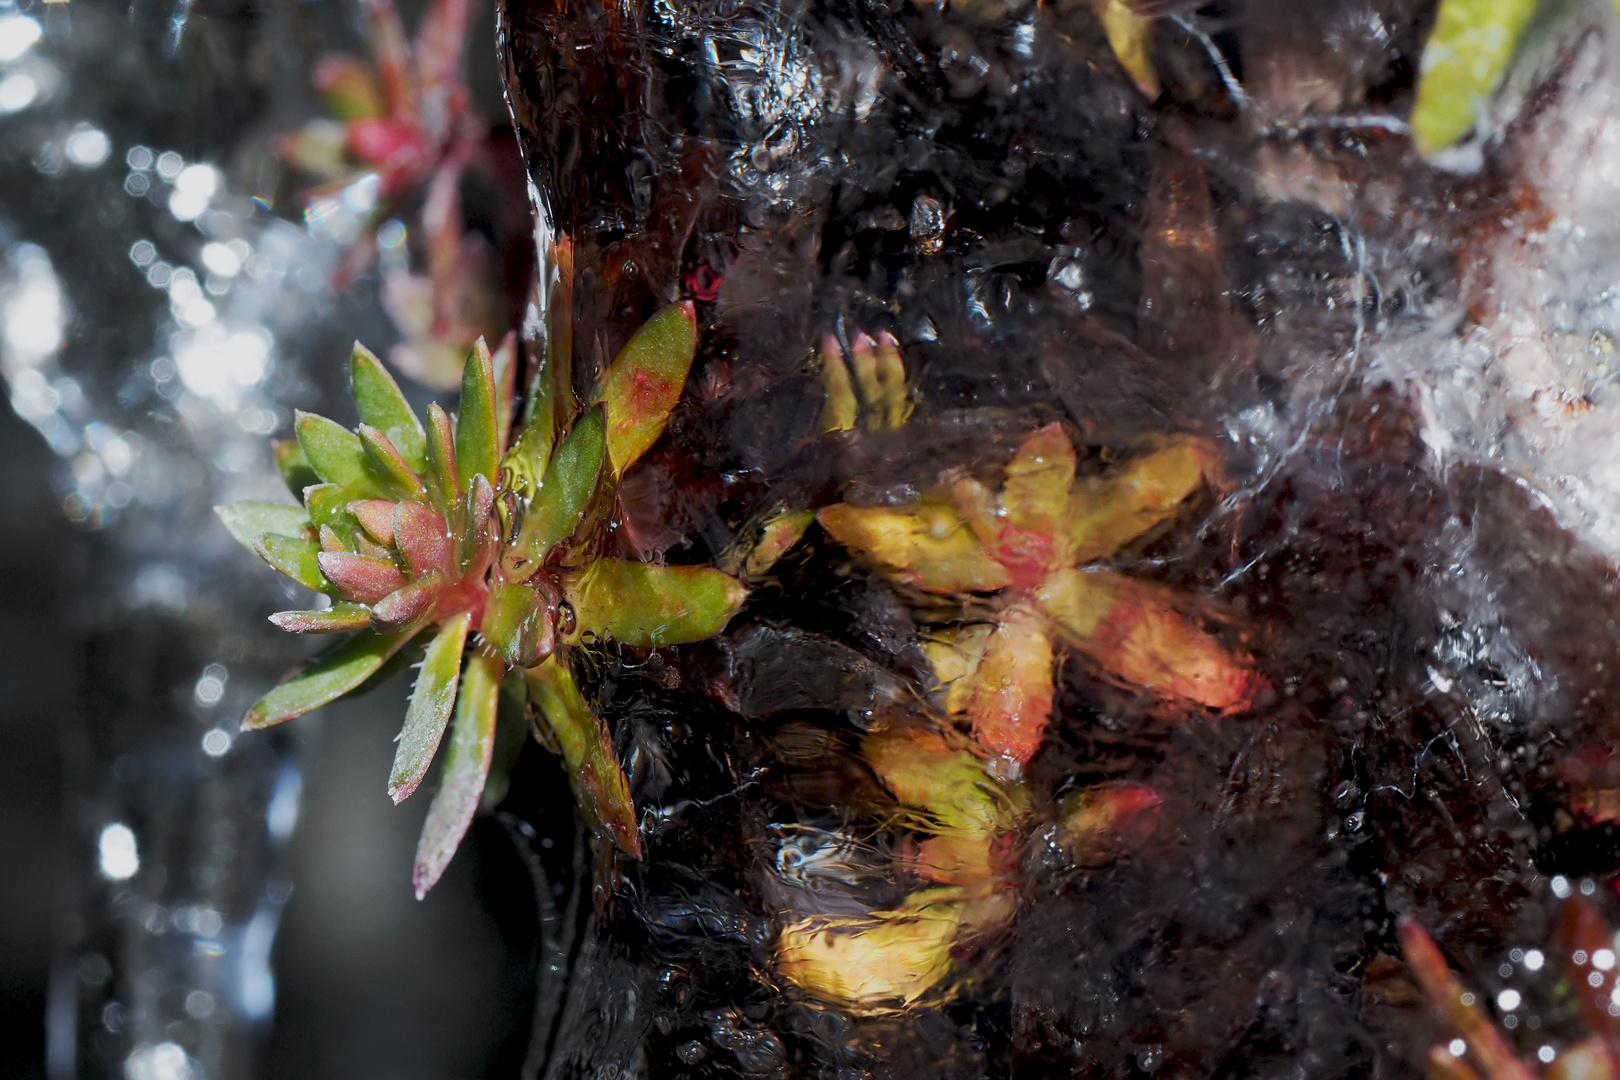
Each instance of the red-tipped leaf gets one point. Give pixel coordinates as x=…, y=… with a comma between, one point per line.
x=360, y=578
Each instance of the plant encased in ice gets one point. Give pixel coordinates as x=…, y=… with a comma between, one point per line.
x=495, y=554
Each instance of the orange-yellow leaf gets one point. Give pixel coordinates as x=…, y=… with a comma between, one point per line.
x=955, y=654
x=1133, y=633
x=645, y=381
x=924, y=771
x=1011, y=700
x=1036, y=496
x=1102, y=821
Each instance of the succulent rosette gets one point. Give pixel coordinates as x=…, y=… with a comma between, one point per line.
x=493, y=554
x=1027, y=564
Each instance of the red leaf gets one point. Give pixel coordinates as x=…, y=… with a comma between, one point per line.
x=422, y=537
x=359, y=577
x=408, y=605
x=376, y=516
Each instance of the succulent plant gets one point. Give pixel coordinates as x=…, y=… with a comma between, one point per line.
x=1590, y=977
x=405, y=124
x=1031, y=547
x=1024, y=558
x=494, y=553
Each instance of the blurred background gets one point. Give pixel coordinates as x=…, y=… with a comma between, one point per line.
x=163, y=308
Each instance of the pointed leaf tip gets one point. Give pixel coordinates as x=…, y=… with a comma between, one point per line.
x=248, y=521
x=477, y=441
x=336, y=454
x=296, y=557
x=328, y=678
x=466, y=764
x=382, y=405
x=645, y=381
x=443, y=475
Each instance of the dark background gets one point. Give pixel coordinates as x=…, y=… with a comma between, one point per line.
x=369, y=981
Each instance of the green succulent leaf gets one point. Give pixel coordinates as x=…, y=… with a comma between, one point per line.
x=645, y=381
x=382, y=405
x=248, y=521
x=389, y=465
x=296, y=471
x=567, y=722
x=518, y=623
x=429, y=710
x=1463, y=62
x=466, y=765
x=651, y=606
x=329, y=508
x=529, y=457
x=477, y=437
x=444, y=479
x=296, y=557
x=327, y=679
x=337, y=619
x=504, y=365
x=337, y=454
x=554, y=513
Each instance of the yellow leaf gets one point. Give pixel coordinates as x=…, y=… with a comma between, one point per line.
x=1129, y=35
x=1035, y=499
x=1104, y=515
x=954, y=654
x=839, y=408
x=872, y=963
x=928, y=546
x=1463, y=62
x=923, y=770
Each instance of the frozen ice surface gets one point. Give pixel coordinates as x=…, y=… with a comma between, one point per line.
x=1405, y=366
x=1406, y=370
x=1520, y=367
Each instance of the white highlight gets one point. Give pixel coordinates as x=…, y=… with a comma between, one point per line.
x=118, y=856
x=194, y=187
x=17, y=92
x=87, y=146
x=18, y=34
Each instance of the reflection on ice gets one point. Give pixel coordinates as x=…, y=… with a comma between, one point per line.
x=118, y=856
x=33, y=312
x=17, y=35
